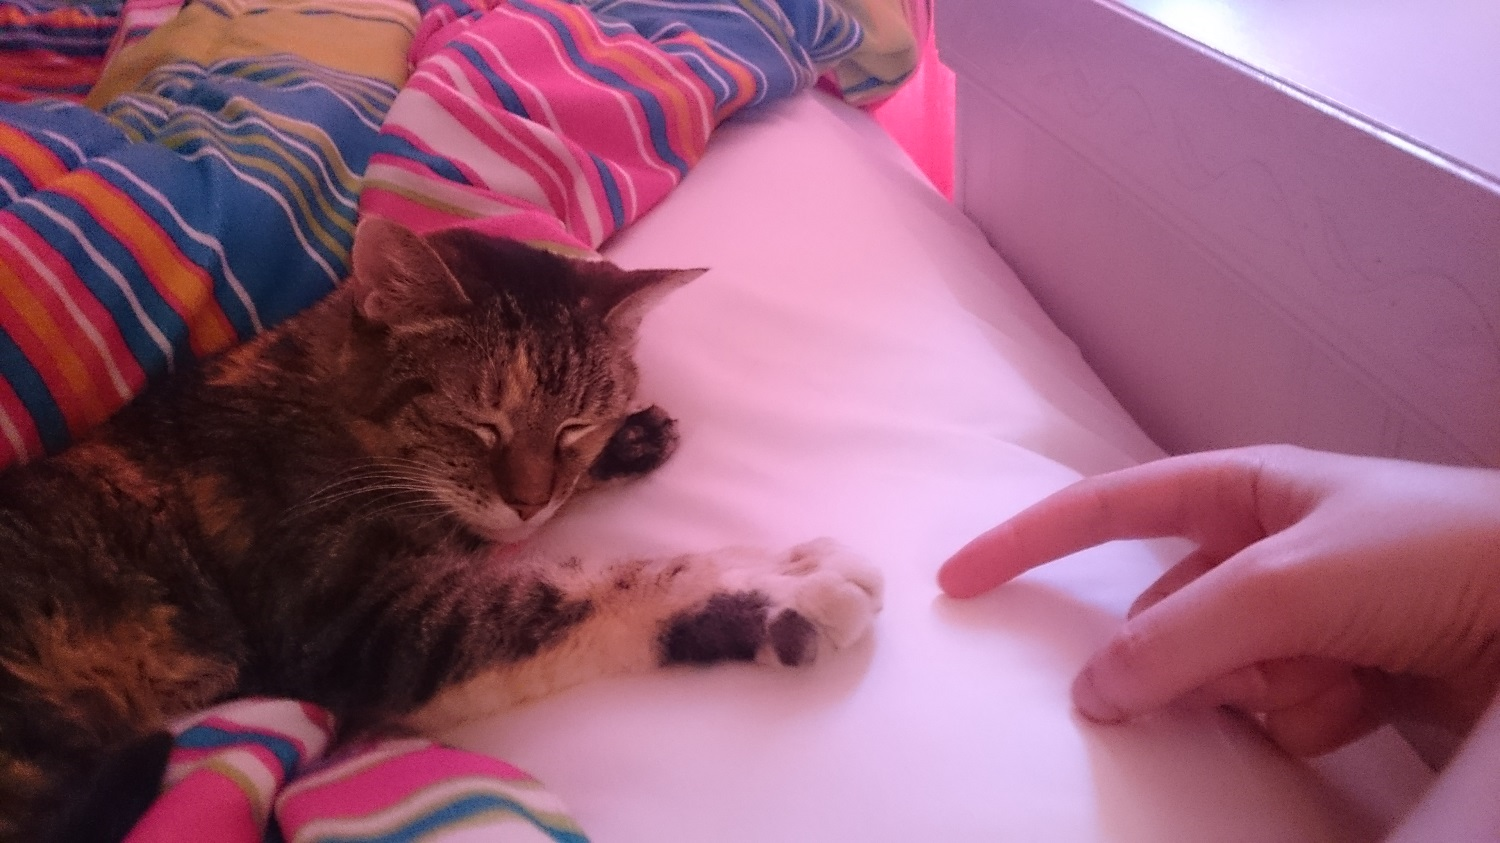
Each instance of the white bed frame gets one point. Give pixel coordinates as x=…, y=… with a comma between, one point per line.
x=1258, y=221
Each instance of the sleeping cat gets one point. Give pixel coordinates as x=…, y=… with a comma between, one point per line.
x=313, y=515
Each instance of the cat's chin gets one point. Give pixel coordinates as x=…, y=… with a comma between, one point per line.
x=502, y=526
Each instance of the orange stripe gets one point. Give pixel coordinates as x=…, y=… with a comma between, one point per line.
x=71, y=18
x=46, y=258
x=51, y=349
x=52, y=78
x=35, y=161
x=657, y=72
x=744, y=80
x=183, y=284
x=591, y=43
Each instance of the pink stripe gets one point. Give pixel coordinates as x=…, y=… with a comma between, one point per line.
x=95, y=314
x=542, y=112
x=516, y=140
x=368, y=789
x=512, y=139
x=37, y=320
x=414, y=215
x=535, y=228
x=528, y=226
x=421, y=143
x=22, y=428
x=590, y=108
x=205, y=806
x=683, y=97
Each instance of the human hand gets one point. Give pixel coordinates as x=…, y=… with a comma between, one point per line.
x=1327, y=593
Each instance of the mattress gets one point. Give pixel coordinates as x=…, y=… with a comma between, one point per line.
x=859, y=363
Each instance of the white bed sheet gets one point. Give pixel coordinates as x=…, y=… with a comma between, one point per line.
x=860, y=364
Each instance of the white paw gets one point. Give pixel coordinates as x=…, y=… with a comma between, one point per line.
x=831, y=586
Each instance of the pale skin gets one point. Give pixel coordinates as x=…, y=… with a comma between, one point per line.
x=1328, y=594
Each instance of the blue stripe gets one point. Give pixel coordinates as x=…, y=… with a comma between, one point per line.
x=70, y=43
x=872, y=82
x=655, y=116
x=461, y=8
x=204, y=118
x=461, y=810
x=712, y=75
x=142, y=346
x=14, y=178
x=736, y=33
x=502, y=89
x=204, y=736
x=49, y=123
x=199, y=254
x=292, y=75
x=33, y=392
x=102, y=8
x=611, y=192
x=441, y=166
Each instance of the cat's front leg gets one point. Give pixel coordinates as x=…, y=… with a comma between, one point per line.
x=776, y=608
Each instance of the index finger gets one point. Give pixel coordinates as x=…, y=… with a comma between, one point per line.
x=1208, y=497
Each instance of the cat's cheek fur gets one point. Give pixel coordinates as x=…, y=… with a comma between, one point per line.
x=729, y=605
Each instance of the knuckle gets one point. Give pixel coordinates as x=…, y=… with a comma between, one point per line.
x=1270, y=579
x=1133, y=651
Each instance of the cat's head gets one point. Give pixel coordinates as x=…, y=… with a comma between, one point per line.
x=503, y=377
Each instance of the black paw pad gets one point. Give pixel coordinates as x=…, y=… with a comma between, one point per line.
x=644, y=441
x=794, y=638
x=730, y=627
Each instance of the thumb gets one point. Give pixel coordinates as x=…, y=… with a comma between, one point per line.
x=1221, y=622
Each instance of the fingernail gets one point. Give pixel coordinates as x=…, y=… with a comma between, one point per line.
x=1090, y=703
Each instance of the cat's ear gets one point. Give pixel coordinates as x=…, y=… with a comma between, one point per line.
x=635, y=292
x=398, y=278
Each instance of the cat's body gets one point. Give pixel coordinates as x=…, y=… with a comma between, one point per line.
x=314, y=515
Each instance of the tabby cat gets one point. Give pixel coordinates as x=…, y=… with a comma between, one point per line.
x=313, y=515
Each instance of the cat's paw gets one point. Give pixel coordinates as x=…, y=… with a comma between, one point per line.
x=781, y=609
x=644, y=441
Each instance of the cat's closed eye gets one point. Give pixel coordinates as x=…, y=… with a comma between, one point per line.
x=490, y=434
x=576, y=436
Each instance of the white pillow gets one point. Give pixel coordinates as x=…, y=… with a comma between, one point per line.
x=859, y=363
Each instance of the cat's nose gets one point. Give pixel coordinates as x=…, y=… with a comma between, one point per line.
x=524, y=476
x=526, y=510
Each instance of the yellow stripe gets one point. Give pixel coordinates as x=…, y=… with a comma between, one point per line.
x=374, y=44
x=288, y=188
x=313, y=135
x=253, y=792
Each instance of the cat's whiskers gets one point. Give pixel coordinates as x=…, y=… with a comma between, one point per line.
x=377, y=478
x=399, y=501
x=432, y=509
x=331, y=497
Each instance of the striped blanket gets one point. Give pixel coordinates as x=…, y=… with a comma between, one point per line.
x=175, y=179
x=258, y=770
x=207, y=184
